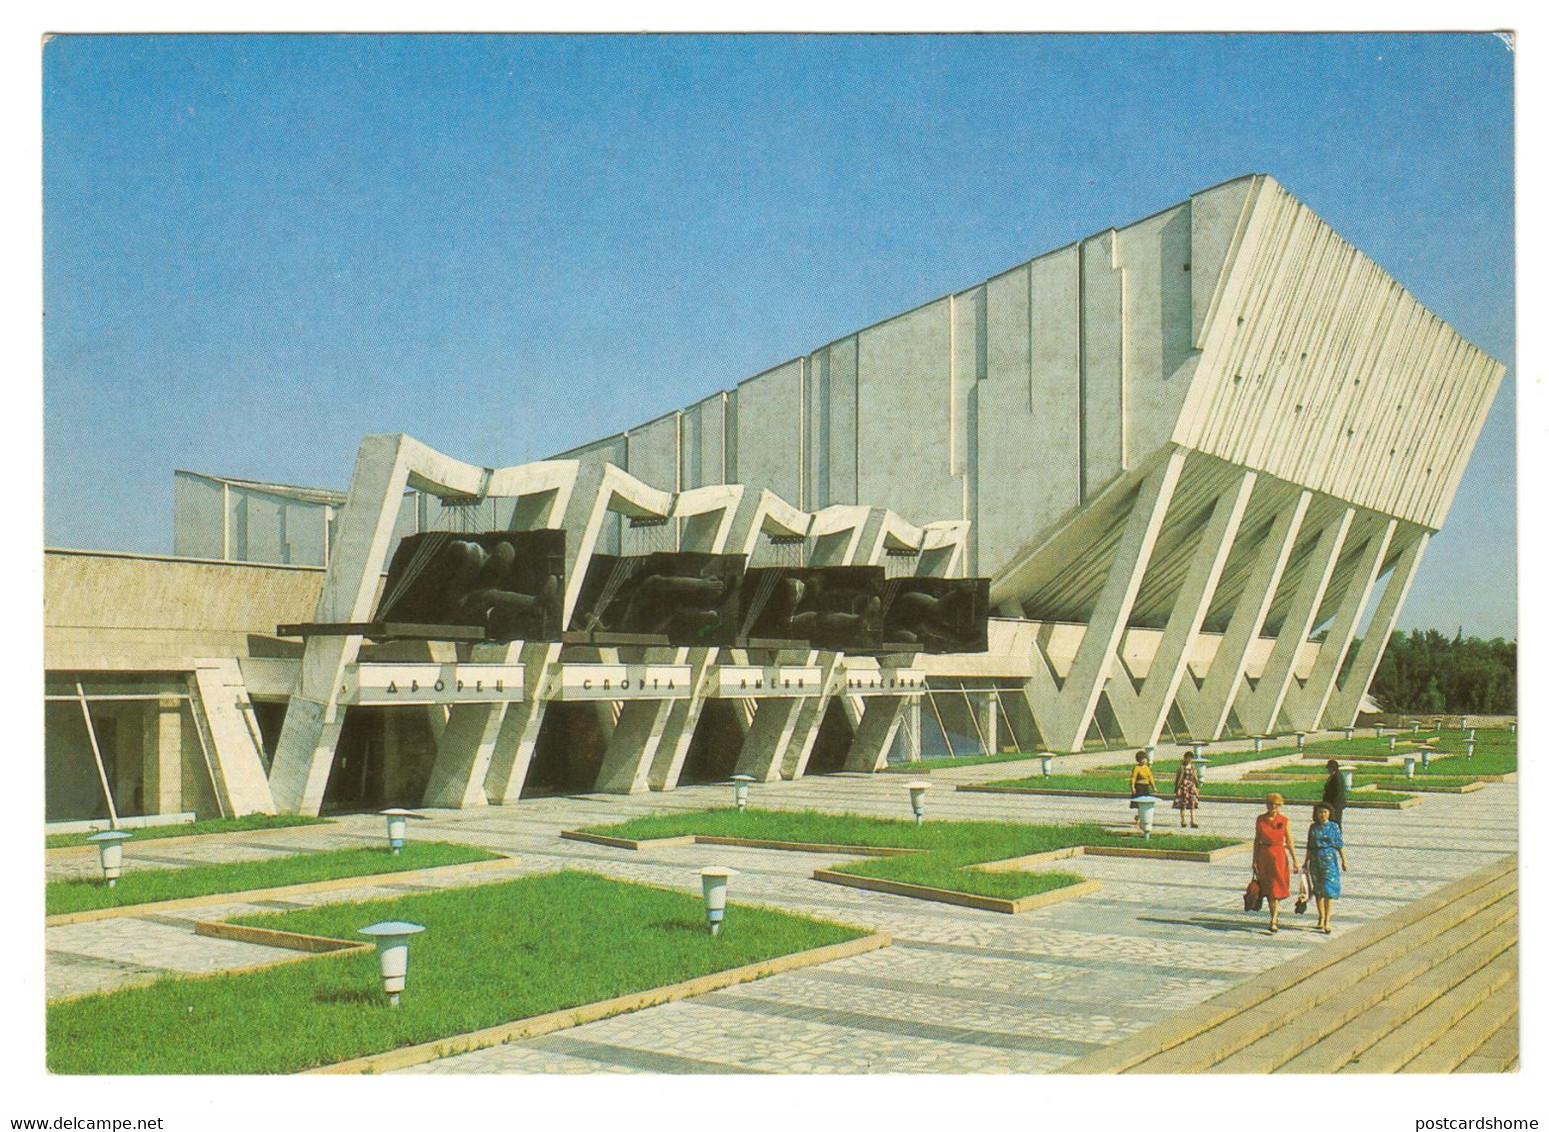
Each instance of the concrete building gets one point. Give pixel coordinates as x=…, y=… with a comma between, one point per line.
x=1198, y=457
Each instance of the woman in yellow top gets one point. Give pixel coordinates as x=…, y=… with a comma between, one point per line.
x=1141, y=780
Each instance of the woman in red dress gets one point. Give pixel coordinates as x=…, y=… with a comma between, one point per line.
x=1274, y=856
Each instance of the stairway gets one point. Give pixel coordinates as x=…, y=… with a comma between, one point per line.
x=1431, y=988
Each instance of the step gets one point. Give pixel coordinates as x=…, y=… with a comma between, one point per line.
x=1344, y=972
x=1471, y=1032
x=1405, y=1043
x=1384, y=1010
x=1448, y=906
x=1500, y=1050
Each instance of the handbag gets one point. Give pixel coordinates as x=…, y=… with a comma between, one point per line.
x=1252, y=897
x=1303, y=892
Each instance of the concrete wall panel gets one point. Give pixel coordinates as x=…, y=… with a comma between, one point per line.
x=769, y=430
x=905, y=429
x=1102, y=363
x=843, y=358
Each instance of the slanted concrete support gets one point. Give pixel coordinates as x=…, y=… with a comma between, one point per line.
x=1304, y=706
x=1142, y=713
x=1259, y=708
x=804, y=735
x=1064, y=712
x=626, y=767
x=1206, y=708
x=233, y=743
x=518, y=736
x=1345, y=702
x=874, y=737
x=773, y=722
x=467, y=743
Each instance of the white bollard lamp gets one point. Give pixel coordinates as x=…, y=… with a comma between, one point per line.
x=110, y=851
x=1347, y=772
x=1301, y=740
x=392, y=953
x=1145, y=809
x=1046, y=760
x=1468, y=748
x=398, y=826
x=1349, y=734
x=1392, y=742
x=917, y=800
x=1201, y=763
x=1381, y=730
x=1409, y=766
x=740, y=784
x=1425, y=756
x=714, y=880
x=1258, y=743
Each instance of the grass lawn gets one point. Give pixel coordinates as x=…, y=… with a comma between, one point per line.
x=141, y=886
x=966, y=760
x=951, y=847
x=1493, y=747
x=208, y=825
x=1385, y=777
x=489, y=955
x=1117, y=783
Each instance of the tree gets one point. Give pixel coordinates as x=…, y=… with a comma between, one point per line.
x=1426, y=671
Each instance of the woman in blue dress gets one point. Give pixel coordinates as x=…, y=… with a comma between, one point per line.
x=1325, y=860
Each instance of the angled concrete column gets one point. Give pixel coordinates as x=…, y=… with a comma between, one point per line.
x=518, y=737
x=1259, y=708
x=804, y=736
x=1065, y=711
x=1304, y=706
x=1142, y=713
x=678, y=734
x=1205, y=709
x=626, y=766
x=234, y=746
x=773, y=721
x=1345, y=702
x=466, y=743
x=875, y=735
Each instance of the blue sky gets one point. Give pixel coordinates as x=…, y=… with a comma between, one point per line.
x=260, y=248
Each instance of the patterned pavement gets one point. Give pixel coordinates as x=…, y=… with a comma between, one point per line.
x=960, y=990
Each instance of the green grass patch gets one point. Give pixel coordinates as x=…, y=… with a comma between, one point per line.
x=1388, y=776
x=243, y=824
x=1114, y=783
x=142, y=886
x=950, y=847
x=966, y=760
x=489, y=955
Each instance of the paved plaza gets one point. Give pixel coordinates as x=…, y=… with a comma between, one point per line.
x=959, y=990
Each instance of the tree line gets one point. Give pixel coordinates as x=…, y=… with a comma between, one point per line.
x=1427, y=671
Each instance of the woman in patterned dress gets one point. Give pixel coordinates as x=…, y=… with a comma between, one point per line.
x=1186, y=791
x=1325, y=860
x=1274, y=856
